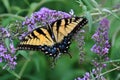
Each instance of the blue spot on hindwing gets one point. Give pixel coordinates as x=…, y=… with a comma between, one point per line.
x=57, y=48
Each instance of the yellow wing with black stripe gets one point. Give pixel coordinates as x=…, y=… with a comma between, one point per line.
x=63, y=27
x=53, y=36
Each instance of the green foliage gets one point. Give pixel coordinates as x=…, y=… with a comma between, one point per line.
x=34, y=65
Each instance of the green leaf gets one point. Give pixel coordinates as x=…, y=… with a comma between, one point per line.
x=9, y=70
x=36, y=61
x=23, y=68
x=23, y=53
x=96, y=6
x=7, y=5
x=89, y=17
x=84, y=8
x=32, y=7
x=95, y=3
x=13, y=73
x=87, y=2
x=106, y=10
x=7, y=43
x=18, y=10
x=115, y=35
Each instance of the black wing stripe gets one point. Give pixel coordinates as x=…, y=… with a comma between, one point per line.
x=66, y=22
x=34, y=36
x=80, y=24
x=29, y=37
x=42, y=32
x=76, y=18
x=50, y=31
x=70, y=20
x=58, y=24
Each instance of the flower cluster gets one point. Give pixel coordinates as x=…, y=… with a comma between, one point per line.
x=101, y=48
x=44, y=17
x=4, y=32
x=101, y=38
x=7, y=55
x=80, y=39
x=85, y=77
x=102, y=42
x=90, y=76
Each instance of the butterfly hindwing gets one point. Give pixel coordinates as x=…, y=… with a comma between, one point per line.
x=38, y=37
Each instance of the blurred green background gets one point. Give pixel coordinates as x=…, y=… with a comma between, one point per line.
x=34, y=65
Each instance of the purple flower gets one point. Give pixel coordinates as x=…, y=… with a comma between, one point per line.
x=80, y=39
x=44, y=17
x=4, y=32
x=85, y=77
x=104, y=23
x=12, y=48
x=22, y=36
x=107, y=45
x=2, y=49
x=106, y=58
x=96, y=36
x=104, y=65
x=93, y=75
x=96, y=49
x=96, y=64
x=101, y=38
x=105, y=50
x=6, y=57
x=0, y=60
x=30, y=23
x=101, y=47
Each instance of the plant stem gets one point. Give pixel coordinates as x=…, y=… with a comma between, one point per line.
x=14, y=73
x=111, y=61
x=99, y=13
x=110, y=71
x=12, y=15
x=23, y=69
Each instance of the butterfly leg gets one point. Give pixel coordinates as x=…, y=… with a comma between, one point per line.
x=54, y=60
x=69, y=54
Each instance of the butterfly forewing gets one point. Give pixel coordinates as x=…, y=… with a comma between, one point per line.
x=64, y=27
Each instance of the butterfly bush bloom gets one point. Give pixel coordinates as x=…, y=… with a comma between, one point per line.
x=80, y=39
x=4, y=32
x=44, y=17
x=22, y=35
x=101, y=47
x=101, y=38
x=7, y=55
x=85, y=77
x=93, y=75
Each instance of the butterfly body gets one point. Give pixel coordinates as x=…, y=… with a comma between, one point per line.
x=55, y=38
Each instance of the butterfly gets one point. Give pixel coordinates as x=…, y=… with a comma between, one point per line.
x=55, y=38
